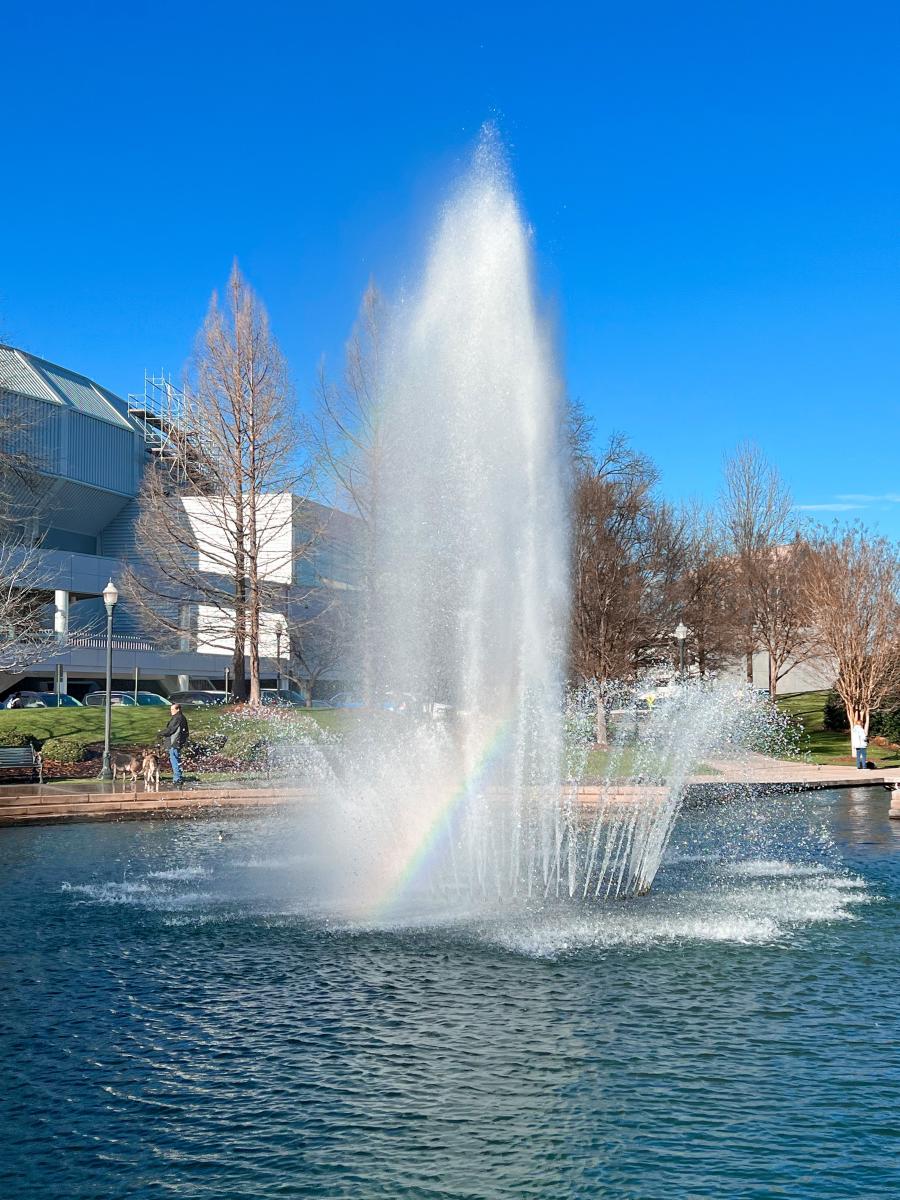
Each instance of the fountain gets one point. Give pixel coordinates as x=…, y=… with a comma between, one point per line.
x=469, y=609
x=471, y=574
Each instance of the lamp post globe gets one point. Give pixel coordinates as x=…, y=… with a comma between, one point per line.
x=110, y=599
x=680, y=635
x=110, y=596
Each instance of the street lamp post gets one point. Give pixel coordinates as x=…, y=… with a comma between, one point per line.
x=681, y=632
x=110, y=598
x=279, y=630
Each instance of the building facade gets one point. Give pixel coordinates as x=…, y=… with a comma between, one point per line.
x=87, y=449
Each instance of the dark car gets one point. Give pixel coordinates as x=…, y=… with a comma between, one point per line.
x=29, y=700
x=199, y=696
x=287, y=696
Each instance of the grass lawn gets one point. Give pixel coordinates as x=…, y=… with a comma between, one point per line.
x=621, y=764
x=823, y=745
x=137, y=725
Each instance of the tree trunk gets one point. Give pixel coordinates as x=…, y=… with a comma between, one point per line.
x=253, y=633
x=253, y=492
x=601, y=735
x=773, y=679
x=238, y=660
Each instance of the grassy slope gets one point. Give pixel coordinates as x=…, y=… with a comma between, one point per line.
x=138, y=726
x=132, y=726
x=823, y=745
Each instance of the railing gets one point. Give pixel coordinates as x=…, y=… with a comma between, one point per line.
x=96, y=641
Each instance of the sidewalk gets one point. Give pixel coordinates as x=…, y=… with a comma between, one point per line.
x=756, y=770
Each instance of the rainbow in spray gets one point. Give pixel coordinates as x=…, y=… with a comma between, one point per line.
x=429, y=843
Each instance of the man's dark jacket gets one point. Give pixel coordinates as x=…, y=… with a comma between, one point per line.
x=177, y=730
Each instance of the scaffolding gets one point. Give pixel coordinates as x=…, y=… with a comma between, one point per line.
x=172, y=427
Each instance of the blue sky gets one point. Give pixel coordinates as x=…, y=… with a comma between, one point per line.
x=714, y=191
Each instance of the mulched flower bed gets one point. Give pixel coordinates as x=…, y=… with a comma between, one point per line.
x=89, y=769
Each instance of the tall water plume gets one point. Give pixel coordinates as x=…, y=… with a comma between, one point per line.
x=467, y=613
x=470, y=572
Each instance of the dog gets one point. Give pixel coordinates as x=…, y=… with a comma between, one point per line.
x=126, y=765
x=150, y=771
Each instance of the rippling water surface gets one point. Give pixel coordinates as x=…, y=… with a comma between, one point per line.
x=180, y=1020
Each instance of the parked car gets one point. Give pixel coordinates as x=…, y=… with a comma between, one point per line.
x=41, y=700
x=286, y=696
x=116, y=699
x=200, y=696
x=153, y=699
x=27, y=700
x=63, y=700
x=346, y=700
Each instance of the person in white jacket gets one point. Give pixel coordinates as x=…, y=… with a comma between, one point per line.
x=859, y=741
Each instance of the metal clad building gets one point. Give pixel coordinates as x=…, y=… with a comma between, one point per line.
x=87, y=452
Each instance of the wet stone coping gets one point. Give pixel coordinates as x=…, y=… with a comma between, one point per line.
x=91, y=800
x=32, y=804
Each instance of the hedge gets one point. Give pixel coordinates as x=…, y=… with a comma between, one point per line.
x=14, y=738
x=65, y=749
x=834, y=717
x=885, y=722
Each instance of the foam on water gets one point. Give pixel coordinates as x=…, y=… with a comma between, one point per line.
x=769, y=869
x=744, y=916
x=138, y=893
x=175, y=874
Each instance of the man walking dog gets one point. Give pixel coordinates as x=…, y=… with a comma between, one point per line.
x=177, y=733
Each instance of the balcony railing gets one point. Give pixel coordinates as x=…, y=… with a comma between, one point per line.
x=96, y=641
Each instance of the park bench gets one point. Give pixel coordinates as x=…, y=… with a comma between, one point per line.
x=22, y=758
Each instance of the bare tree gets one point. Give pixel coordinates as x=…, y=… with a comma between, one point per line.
x=778, y=608
x=24, y=589
x=348, y=429
x=851, y=588
x=215, y=531
x=757, y=517
x=351, y=451
x=318, y=647
x=25, y=582
x=707, y=594
x=627, y=563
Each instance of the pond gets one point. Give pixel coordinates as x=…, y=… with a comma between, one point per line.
x=180, y=1018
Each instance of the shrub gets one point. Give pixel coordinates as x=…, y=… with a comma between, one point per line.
x=835, y=714
x=246, y=746
x=15, y=738
x=885, y=722
x=65, y=749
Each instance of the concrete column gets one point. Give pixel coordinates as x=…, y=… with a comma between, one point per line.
x=184, y=683
x=61, y=613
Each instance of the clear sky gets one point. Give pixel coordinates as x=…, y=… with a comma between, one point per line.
x=714, y=188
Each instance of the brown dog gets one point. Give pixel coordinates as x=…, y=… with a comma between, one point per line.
x=126, y=765
x=150, y=770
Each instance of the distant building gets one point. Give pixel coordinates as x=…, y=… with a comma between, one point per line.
x=89, y=449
